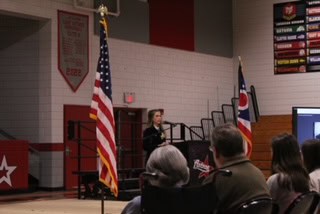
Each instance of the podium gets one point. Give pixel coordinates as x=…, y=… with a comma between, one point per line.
x=199, y=157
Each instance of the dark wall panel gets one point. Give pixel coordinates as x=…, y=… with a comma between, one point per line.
x=213, y=27
x=131, y=25
x=172, y=23
x=203, y=26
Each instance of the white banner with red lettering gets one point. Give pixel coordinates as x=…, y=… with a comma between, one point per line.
x=73, y=47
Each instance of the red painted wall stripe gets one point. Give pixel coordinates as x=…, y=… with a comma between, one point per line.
x=172, y=23
x=48, y=147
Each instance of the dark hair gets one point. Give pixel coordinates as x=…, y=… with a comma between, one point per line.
x=311, y=154
x=286, y=160
x=227, y=140
x=151, y=114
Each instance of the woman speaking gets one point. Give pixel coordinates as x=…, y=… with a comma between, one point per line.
x=153, y=136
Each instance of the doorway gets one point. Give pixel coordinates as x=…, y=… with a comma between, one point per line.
x=129, y=137
x=79, y=140
x=128, y=134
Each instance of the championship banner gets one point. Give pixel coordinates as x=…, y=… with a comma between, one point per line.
x=313, y=35
x=283, y=38
x=313, y=43
x=297, y=42
x=290, y=29
x=73, y=47
x=290, y=45
x=313, y=51
x=311, y=19
x=313, y=27
x=313, y=68
x=313, y=60
x=291, y=69
x=290, y=61
x=290, y=53
x=313, y=11
x=312, y=3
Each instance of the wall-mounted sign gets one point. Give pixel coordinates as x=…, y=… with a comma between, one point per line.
x=297, y=37
x=289, y=38
x=73, y=47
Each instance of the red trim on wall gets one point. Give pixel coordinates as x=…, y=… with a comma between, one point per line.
x=48, y=147
x=172, y=23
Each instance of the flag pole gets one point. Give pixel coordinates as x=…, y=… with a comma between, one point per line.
x=244, y=123
x=240, y=63
x=103, y=10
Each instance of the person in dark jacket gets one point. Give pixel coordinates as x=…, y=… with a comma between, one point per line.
x=246, y=182
x=153, y=136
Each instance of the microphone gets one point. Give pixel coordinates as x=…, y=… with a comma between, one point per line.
x=169, y=123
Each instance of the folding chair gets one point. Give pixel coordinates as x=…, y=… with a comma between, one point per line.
x=179, y=200
x=305, y=203
x=263, y=205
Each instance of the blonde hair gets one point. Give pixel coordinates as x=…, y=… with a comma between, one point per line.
x=170, y=166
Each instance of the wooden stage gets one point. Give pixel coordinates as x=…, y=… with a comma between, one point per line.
x=62, y=206
x=56, y=203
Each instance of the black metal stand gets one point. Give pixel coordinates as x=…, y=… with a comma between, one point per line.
x=102, y=198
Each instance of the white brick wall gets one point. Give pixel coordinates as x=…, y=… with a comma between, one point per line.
x=181, y=82
x=51, y=169
x=19, y=65
x=253, y=40
x=178, y=81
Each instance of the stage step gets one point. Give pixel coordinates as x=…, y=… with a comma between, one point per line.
x=127, y=195
x=129, y=183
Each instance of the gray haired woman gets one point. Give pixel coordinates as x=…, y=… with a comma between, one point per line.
x=171, y=168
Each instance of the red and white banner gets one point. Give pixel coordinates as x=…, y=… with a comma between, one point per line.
x=73, y=47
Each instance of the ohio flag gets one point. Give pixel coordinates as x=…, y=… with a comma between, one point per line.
x=244, y=124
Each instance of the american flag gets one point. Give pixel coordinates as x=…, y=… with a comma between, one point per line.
x=102, y=112
x=244, y=124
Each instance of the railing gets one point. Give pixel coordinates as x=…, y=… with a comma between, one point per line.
x=6, y=135
x=255, y=102
x=75, y=129
x=228, y=114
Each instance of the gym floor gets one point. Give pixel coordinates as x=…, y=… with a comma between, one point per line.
x=56, y=203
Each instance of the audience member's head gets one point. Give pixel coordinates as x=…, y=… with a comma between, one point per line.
x=170, y=167
x=286, y=160
x=311, y=154
x=285, y=152
x=227, y=142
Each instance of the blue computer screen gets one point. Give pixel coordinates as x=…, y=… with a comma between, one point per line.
x=306, y=123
